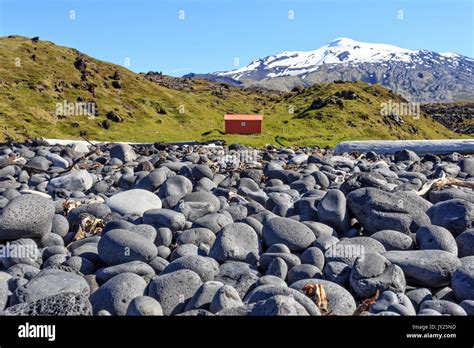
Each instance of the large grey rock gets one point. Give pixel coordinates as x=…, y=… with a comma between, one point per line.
x=434, y=237
x=292, y=233
x=456, y=215
x=174, y=290
x=313, y=256
x=389, y=301
x=278, y=305
x=79, y=180
x=418, y=296
x=236, y=242
x=443, y=307
x=226, y=297
x=277, y=268
x=378, y=210
x=26, y=216
x=205, y=267
x=152, y=181
x=133, y=202
x=428, y=268
x=240, y=275
x=202, y=197
x=214, y=222
x=349, y=249
x=175, y=186
x=305, y=271
x=394, y=240
x=265, y=292
x=196, y=236
x=332, y=211
x=204, y=295
x=121, y=246
x=465, y=242
x=164, y=218
x=50, y=282
x=136, y=267
x=123, y=152
x=372, y=272
x=462, y=282
x=117, y=293
x=337, y=272
x=144, y=306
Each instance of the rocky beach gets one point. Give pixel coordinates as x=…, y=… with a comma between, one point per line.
x=163, y=229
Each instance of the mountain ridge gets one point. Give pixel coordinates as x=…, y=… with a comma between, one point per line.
x=418, y=75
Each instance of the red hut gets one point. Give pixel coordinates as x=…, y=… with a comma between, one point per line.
x=243, y=124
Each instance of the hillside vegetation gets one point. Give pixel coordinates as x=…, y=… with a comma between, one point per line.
x=36, y=75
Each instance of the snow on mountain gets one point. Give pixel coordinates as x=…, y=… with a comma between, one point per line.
x=340, y=51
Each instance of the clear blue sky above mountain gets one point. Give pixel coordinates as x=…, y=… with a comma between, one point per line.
x=213, y=33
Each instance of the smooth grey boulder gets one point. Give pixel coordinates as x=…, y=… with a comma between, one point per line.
x=465, y=243
x=372, y=272
x=277, y=268
x=203, y=266
x=462, y=282
x=236, y=242
x=214, y=221
x=133, y=202
x=136, y=267
x=79, y=180
x=337, y=272
x=418, y=296
x=394, y=240
x=426, y=268
x=204, y=295
x=313, y=256
x=240, y=275
x=164, y=218
x=175, y=186
x=123, y=152
x=225, y=297
x=443, y=307
x=393, y=302
x=144, y=306
x=121, y=246
x=455, y=215
x=196, y=236
x=434, y=237
x=50, y=282
x=332, y=211
x=305, y=271
x=116, y=294
x=378, y=210
x=292, y=233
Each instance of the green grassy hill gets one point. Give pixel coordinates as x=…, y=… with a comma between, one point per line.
x=36, y=75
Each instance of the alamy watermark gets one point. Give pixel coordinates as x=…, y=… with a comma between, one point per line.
x=66, y=108
x=391, y=108
x=15, y=250
x=350, y=251
x=238, y=157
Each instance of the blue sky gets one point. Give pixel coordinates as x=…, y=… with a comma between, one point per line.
x=151, y=34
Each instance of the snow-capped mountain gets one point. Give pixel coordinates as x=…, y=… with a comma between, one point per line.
x=419, y=75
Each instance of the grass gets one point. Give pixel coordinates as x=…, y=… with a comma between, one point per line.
x=35, y=76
